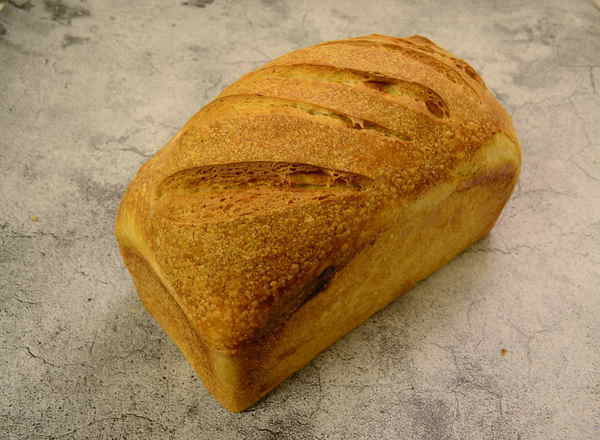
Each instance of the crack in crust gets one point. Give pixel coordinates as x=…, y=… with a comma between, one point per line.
x=428, y=60
x=335, y=117
x=242, y=189
x=424, y=44
x=390, y=87
x=248, y=175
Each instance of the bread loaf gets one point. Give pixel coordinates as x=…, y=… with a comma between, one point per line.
x=307, y=196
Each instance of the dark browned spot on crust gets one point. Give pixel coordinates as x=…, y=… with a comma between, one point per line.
x=462, y=65
x=504, y=174
x=320, y=283
x=287, y=353
x=435, y=109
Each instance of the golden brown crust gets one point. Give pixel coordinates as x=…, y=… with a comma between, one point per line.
x=332, y=135
x=419, y=239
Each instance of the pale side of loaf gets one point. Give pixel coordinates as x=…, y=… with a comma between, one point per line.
x=309, y=195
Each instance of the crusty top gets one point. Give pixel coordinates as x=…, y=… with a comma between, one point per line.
x=276, y=184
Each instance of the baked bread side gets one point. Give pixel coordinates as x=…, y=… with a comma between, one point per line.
x=309, y=195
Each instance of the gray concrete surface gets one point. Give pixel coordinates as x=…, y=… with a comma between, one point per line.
x=503, y=343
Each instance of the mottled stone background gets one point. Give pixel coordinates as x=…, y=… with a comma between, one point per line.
x=503, y=343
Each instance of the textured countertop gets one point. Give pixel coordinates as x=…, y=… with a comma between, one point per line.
x=502, y=343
